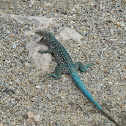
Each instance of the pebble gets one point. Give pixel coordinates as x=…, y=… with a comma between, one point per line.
x=38, y=86
x=68, y=34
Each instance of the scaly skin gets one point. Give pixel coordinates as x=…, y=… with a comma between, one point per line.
x=65, y=65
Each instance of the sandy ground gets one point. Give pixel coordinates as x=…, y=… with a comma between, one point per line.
x=91, y=31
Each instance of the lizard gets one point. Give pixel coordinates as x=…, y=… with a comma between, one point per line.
x=66, y=66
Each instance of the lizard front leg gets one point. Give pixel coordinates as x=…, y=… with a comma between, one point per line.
x=44, y=51
x=81, y=67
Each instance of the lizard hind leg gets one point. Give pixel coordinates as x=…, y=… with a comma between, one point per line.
x=57, y=73
x=53, y=76
x=81, y=67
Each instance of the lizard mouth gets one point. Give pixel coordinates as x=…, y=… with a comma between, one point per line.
x=45, y=35
x=42, y=38
x=40, y=33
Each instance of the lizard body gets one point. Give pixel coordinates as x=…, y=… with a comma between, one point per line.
x=65, y=65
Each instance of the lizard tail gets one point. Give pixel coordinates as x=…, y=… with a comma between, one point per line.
x=81, y=86
x=83, y=89
x=109, y=117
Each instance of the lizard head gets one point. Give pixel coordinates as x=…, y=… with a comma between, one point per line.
x=46, y=37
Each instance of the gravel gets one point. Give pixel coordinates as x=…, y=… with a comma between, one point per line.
x=101, y=26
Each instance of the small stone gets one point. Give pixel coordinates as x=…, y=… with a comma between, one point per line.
x=38, y=86
x=32, y=1
x=30, y=5
x=36, y=118
x=8, y=32
x=1, y=124
x=30, y=115
x=14, y=45
x=111, y=31
x=121, y=24
x=68, y=34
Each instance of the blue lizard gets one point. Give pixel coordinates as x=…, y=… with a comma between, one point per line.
x=65, y=65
